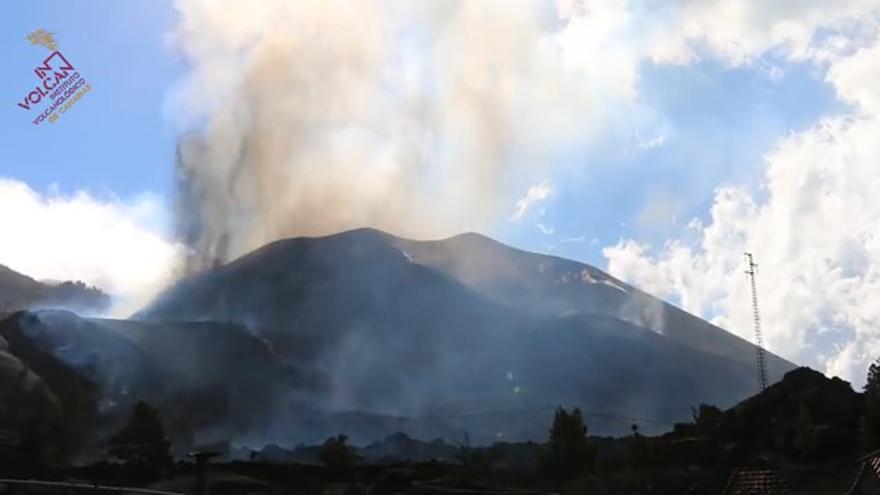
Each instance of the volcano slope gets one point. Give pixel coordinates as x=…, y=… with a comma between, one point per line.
x=466, y=329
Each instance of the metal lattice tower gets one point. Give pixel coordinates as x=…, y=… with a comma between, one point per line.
x=759, y=339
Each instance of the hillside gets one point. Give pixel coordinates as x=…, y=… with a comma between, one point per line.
x=369, y=334
x=538, y=284
x=804, y=419
x=409, y=328
x=212, y=381
x=18, y=291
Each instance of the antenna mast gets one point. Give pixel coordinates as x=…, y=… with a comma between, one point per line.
x=759, y=339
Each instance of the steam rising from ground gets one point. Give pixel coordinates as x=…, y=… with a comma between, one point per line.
x=311, y=117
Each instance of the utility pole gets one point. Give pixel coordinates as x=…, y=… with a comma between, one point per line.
x=759, y=339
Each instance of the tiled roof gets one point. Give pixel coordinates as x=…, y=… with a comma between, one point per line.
x=755, y=482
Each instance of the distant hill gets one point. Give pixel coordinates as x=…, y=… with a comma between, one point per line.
x=42, y=395
x=805, y=417
x=18, y=291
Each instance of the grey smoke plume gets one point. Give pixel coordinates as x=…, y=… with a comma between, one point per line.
x=309, y=117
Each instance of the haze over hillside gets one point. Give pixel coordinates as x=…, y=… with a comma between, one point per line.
x=368, y=334
x=409, y=328
x=18, y=291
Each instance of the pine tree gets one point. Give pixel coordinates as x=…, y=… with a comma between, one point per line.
x=568, y=454
x=804, y=432
x=337, y=455
x=873, y=381
x=869, y=426
x=142, y=442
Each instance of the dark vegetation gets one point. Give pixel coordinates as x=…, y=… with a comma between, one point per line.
x=337, y=455
x=568, y=454
x=142, y=444
x=805, y=420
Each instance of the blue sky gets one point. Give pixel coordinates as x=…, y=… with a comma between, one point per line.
x=118, y=140
x=758, y=125
x=719, y=122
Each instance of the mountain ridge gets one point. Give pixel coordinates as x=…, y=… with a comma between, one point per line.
x=19, y=291
x=370, y=334
x=639, y=308
x=364, y=307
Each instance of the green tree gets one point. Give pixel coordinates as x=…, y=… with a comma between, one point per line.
x=465, y=453
x=706, y=418
x=33, y=454
x=641, y=453
x=804, y=433
x=873, y=381
x=337, y=455
x=569, y=453
x=142, y=442
x=869, y=425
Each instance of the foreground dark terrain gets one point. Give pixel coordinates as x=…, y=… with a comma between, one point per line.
x=805, y=434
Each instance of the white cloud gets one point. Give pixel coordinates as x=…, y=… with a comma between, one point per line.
x=544, y=228
x=654, y=142
x=741, y=30
x=579, y=239
x=812, y=223
x=114, y=244
x=855, y=78
x=613, y=36
x=535, y=194
x=598, y=39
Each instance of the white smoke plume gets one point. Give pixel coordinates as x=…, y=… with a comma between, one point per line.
x=313, y=116
x=535, y=194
